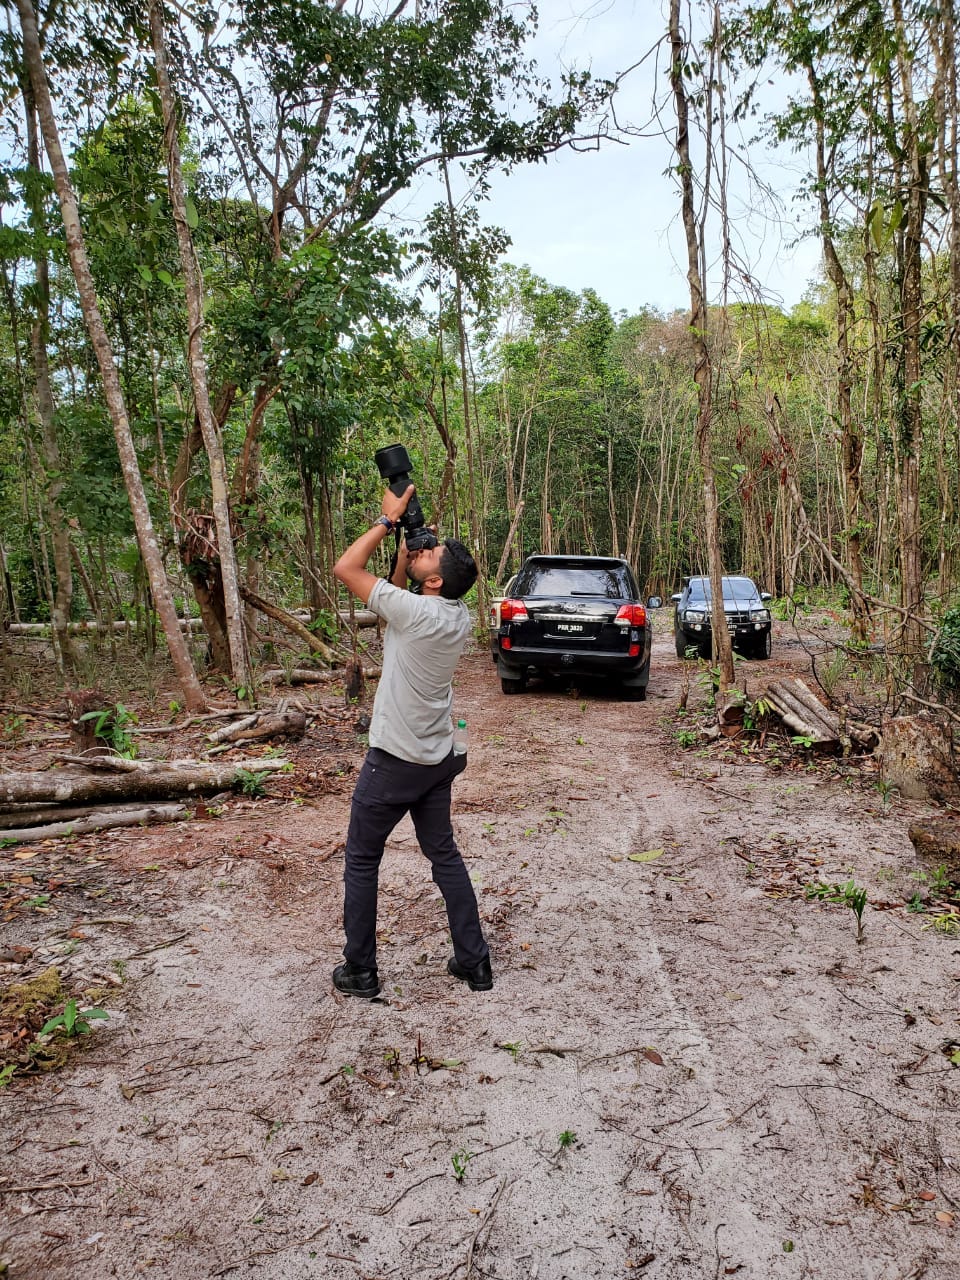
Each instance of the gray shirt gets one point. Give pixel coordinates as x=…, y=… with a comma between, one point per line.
x=422, y=644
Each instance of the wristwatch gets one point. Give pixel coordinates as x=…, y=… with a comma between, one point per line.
x=387, y=523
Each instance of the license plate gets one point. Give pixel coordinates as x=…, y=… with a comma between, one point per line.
x=570, y=628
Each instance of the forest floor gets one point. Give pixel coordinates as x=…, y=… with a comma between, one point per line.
x=685, y=1068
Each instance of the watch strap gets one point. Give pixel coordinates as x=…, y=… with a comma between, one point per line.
x=387, y=523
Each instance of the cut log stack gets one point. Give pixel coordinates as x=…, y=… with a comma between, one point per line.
x=93, y=794
x=803, y=712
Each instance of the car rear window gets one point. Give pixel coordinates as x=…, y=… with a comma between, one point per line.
x=570, y=580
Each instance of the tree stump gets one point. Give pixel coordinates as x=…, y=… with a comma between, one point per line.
x=84, y=739
x=920, y=760
x=937, y=842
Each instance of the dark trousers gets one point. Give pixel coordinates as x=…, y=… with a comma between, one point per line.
x=386, y=789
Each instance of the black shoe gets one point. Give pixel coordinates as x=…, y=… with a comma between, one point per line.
x=354, y=981
x=479, y=978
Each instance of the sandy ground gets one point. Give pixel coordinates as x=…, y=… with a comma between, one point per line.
x=685, y=1069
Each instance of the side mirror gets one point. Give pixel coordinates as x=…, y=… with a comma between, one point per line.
x=654, y=602
x=765, y=595
x=676, y=598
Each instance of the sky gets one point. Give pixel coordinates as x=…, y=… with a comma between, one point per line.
x=610, y=219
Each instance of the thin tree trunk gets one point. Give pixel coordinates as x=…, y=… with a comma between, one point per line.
x=100, y=341
x=703, y=368
x=62, y=597
x=213, y=443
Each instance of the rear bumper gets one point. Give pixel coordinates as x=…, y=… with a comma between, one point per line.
x=620, y=666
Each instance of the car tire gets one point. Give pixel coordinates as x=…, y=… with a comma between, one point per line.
x=634, y=692
x=687, y=649
x=510, y=682
x=763, y=646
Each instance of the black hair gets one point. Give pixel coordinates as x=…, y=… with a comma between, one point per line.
x=457, y=568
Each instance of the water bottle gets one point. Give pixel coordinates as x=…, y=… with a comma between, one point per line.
x=460, y=738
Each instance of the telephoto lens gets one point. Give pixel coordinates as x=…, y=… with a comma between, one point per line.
x=393, y=463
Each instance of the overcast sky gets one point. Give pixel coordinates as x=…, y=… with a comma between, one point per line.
x=610, y=220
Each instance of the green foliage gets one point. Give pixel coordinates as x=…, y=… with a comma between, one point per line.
x=945, y=657
x=111, y=726
x=460, y=1159
x=849, y=895
x=251, y=782
x=73, y=1021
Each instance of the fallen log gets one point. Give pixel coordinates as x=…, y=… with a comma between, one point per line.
x=803, y=712
x=147, y=780
x=306, y=675
x=97, y=820
x=285, y=721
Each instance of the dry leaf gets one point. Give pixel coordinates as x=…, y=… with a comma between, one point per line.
x=945, y=1218
x=650, y=855
x=927, y=1195
x=651, y=1055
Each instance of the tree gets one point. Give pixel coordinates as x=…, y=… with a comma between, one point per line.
x=149, y=549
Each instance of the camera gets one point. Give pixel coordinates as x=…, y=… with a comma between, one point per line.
x=394, y=465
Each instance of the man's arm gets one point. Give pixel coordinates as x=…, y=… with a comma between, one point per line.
x=351, y=568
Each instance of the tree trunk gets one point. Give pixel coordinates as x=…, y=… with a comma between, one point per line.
x=62, y=596
x=100, y=341
x=703, y=368
x=239, y=662
x=911, y=390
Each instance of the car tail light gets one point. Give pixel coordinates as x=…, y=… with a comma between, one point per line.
x=634, y=651
x=635, y=615
x=513, y=611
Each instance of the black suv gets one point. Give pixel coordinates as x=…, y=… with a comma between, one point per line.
x=748, y=618
x=576, y=616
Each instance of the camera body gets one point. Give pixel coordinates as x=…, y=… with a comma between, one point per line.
x=393, y=462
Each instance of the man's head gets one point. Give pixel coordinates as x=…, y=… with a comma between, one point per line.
x=447, y=570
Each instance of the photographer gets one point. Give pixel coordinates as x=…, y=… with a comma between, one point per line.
x=410, y=766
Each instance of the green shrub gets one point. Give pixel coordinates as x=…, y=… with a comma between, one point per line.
x=946, y=652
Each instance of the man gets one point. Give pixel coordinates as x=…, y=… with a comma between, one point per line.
x=410, y=766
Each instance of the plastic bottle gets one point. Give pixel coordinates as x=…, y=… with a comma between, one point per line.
x=460, y=738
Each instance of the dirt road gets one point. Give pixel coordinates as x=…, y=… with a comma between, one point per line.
x=685, y=1069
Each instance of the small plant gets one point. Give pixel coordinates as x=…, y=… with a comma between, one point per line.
x=686, y=738
x=802, y=740
x=72, y=1021
x=512, y=1047
x=6, y=1074
x=460, y=1159
x=112, y=727
x=13, y=726
x=947, y=922
x=709, y=682
x=566, y=1139
x=119, y=967
x=849, y=895
x=887, y=792
x=916, y=904
x=940, y=882
x=251, y=783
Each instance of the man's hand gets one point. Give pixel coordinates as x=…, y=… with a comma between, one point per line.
x=351, y=568
x=394, y=507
